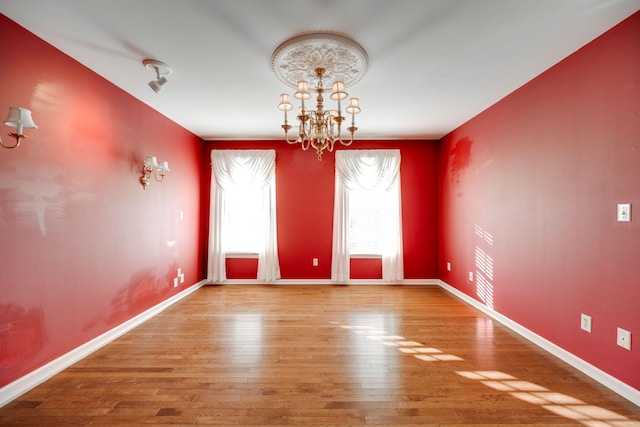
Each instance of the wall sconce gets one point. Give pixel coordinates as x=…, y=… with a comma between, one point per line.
x=151, y=166
x=161, y=69
x=19, y=118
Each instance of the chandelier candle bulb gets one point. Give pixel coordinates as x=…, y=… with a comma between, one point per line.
x=303, y=91
x=285, y=103
x=354, y=106
x=338, y=91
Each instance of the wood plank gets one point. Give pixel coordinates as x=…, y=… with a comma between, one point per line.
x=320, y=356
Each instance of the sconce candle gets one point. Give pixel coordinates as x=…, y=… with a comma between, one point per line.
x=149, y=166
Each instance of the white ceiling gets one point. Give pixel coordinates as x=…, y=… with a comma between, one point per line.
x=433, y=64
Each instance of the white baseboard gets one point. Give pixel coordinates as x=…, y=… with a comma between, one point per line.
x=413, y=282
x=40, y=375
x=614, y=384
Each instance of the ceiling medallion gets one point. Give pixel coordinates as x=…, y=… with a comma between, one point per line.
x=319, y=58
x=297, y=59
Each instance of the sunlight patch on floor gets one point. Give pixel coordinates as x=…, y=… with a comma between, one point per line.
x=557, y=403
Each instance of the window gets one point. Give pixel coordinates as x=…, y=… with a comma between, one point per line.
x=243, y=211
x=365, y=222
x=367, y=212
x=242, y=223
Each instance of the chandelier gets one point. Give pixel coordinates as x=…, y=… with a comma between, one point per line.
x=319, y=57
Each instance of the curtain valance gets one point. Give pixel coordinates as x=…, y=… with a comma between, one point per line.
x=368, y=169
x=243, y=168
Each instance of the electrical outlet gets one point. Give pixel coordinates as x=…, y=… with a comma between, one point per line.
x=175, y=282
x=448, y=266
x=471, y=276
x=624, y=338
x=585, y=323
x=315, y=262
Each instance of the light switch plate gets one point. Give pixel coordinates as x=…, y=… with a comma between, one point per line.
x=624, y=212
x=585, y=322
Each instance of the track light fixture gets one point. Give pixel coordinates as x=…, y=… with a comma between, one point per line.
x=19, y=118
x=161, y=69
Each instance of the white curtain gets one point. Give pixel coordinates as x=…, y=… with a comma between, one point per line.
x=368, y=170
x=241, y=170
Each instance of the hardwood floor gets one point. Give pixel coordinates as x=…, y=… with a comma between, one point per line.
x=320, y=356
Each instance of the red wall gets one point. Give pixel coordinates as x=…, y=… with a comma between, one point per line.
x=532, y=183
x=83, y=246
x=540, y=174
x=304, y=192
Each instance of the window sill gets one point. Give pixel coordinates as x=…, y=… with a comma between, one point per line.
x=241, y=255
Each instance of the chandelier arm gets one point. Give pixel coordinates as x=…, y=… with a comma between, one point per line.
x=352, y=130
x=346, y=144
x=305, y=144
x=290, y=141
x=286, y=127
